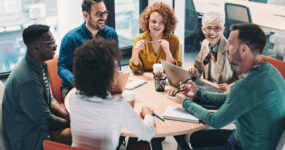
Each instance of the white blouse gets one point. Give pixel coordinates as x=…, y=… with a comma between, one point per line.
x=96, y=123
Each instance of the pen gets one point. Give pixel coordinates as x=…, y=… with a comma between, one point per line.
x=152, y=41
x=177, y=92
x=154, y=114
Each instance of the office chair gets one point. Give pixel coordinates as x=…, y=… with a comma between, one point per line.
x=236, y=14
x=50, y=145
x=55, y=80
x=240, y=14
x=3, y=140
x=259, y=1
x=193, y=34
x=278, y=64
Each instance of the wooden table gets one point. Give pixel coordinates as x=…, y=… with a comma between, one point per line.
x=147, y=96
x=265, y=15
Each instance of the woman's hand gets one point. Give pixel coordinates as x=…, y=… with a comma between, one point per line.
x=165, y=46
x=193, y=71
x=140, y=45
x=146, y=110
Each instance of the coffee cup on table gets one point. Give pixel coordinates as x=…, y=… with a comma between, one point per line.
x=129, y=96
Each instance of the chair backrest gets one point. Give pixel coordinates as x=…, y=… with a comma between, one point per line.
x=3, y=140
x=281, y=143
x=236, y=14
x=260, y=1
x=191, y=18
x=50, y=145
x=278, y=64
x=55, y=80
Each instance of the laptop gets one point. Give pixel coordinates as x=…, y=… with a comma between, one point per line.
x=177, y=74
x=122, y=81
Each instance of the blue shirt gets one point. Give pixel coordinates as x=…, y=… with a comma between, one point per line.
x=72, y=40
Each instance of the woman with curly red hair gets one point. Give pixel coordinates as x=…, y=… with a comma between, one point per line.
x=158, y=21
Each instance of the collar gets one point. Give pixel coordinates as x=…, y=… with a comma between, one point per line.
x=215, y=49
x=34, y=64
x=259, y=67
x=86, y=31
x=95, y=99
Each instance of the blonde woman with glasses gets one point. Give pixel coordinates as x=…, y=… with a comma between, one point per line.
x=212, y=61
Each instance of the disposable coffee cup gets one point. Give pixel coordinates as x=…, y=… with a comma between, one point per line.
x=129, y=96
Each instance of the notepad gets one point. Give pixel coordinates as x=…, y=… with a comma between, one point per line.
x=134, y=83
x=176, y=113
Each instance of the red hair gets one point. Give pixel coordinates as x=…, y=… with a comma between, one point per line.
x=165, y=11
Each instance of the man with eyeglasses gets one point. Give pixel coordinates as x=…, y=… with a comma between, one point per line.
x=30, y=113
x=211, y=60
x=95, y=14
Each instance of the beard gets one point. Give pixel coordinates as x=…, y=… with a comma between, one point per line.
x=236, y=58
x=95, y=24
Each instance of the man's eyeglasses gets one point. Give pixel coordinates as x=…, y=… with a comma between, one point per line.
x=101, y=14
x=45, y=42
x=216, y=29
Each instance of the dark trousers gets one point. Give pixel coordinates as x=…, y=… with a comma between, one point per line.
x=216, y=139
x=156, y=143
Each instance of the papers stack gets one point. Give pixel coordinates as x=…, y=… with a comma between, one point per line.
x=134, y=83
x=175, y=113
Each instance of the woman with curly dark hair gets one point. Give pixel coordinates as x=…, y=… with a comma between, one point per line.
x=158, y=21
x=97, y=117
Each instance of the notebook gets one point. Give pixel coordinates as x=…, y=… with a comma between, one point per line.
x=176, y=113
x=177, y=74
x=134, y=83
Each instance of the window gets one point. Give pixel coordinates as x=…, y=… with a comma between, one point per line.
x=15, y=15
x=266, y=18
x=127, y=25
x=127, y=21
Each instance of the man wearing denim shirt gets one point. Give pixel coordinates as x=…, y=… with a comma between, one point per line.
x=95, y=14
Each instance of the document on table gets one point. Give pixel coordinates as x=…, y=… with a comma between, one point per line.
x=134, y=83
x=176, y=113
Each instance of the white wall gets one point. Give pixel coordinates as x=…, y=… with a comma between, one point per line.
x=69, y=15
x=180, y=14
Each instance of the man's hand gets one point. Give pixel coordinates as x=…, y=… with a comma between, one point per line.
x=223, y=87
x=146, y=110
x=188, y=90
x=58, y=110
x=178, y=98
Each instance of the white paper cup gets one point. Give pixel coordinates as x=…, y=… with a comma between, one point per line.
x=129, y=96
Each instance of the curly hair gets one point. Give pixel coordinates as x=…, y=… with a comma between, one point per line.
x=165, y=11
x=94, y=66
